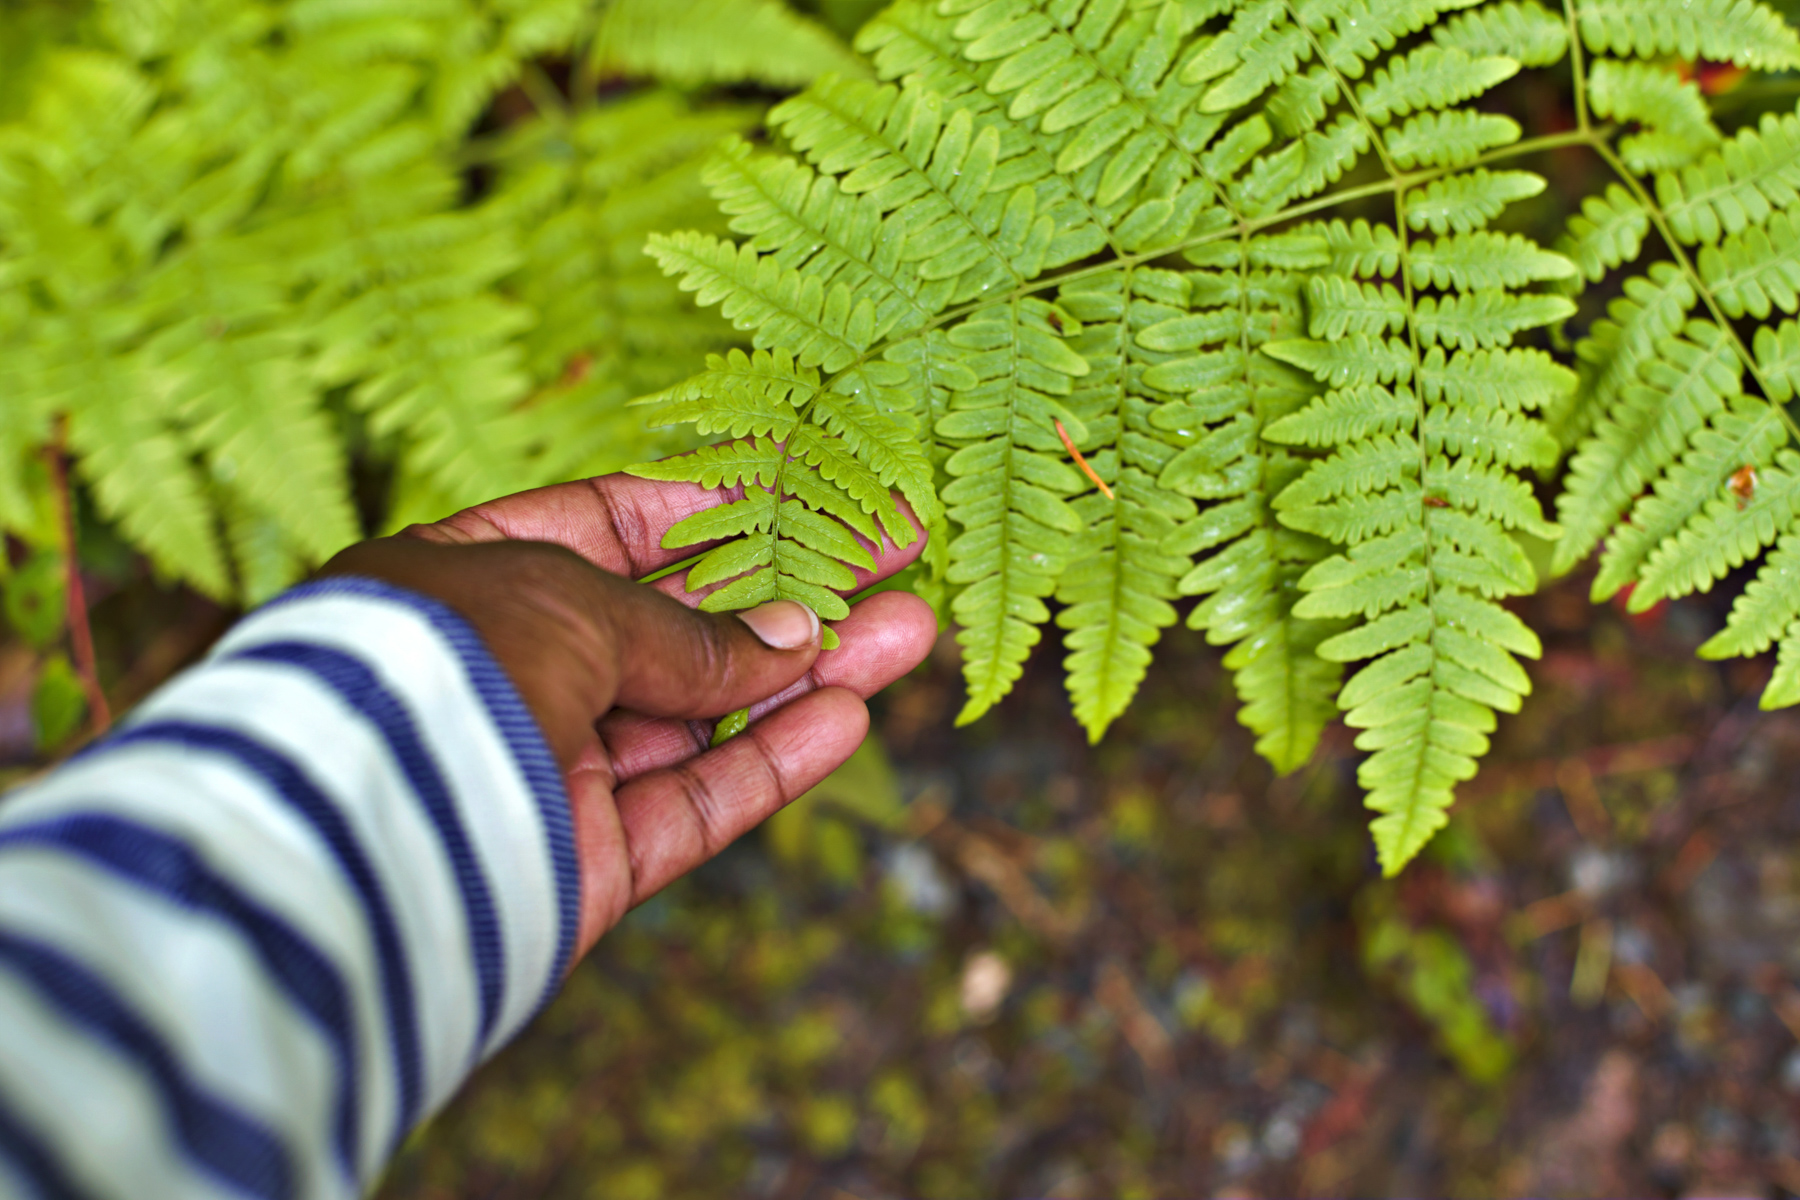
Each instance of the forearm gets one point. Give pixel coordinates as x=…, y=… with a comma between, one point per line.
x=250, y=940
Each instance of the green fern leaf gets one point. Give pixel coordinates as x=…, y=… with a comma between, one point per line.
x=1008, y=491
x=1470, y=261
x=1677, y=129
x=820, y=327
x=1464, y=203
x=1778, y=360
x=1027, y=148
x=1529, y=33
x=1517, y=380
x=1766, y=610
x=1748, y=434
x=1653, y=307
x=1119, y=583
x=1449, y=139
x=1644, y=433
x=1608, y=233
x=690, y=42
x=1737, y=186
x=1755, y=269
x=1735, y=31
x=1725, y=534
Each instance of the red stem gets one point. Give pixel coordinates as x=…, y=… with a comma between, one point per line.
x=81, y=634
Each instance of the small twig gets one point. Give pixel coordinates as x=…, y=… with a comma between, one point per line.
x=1081, y=462
x=81, y=634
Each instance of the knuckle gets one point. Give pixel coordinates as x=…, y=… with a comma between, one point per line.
x=770, y=763
x=703, y=806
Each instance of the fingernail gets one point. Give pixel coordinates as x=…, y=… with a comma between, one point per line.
x=782, y=624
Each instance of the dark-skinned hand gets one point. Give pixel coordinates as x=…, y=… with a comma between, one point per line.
x=624, y=677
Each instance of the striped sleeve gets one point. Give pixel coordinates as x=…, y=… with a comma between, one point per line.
x=254, y=936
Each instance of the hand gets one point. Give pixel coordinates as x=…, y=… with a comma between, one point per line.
x=619, y=674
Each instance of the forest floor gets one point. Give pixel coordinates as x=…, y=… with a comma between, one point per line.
x=1016, y=965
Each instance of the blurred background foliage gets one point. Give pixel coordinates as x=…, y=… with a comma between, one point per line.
x=275, y=274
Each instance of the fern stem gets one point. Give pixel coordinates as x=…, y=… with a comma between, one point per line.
x=674, y=567
x=1686, y=266
x=1577, y=68
x=81, y=634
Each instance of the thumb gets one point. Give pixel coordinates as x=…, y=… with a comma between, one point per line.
x=674, y=661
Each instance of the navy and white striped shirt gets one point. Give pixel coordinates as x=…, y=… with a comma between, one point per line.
x=254, y=936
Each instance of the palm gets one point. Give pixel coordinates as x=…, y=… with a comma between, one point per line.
x=650, y=801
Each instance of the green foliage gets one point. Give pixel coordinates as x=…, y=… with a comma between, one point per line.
x=1120, y=302
x=243, y=241
x=1083, y=220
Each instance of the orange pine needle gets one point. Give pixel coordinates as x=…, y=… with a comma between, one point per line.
x=1081, y=462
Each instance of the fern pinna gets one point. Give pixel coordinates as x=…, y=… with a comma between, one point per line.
x=1111, y=221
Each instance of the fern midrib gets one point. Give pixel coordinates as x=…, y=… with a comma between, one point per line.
x=1123, y=407
x=997, y=656
x=1577, y=68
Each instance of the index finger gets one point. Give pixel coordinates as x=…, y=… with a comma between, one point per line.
x=618, y=521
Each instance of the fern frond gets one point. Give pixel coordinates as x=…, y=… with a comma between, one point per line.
x=822, y=327
x=903, y=148
x=738, y=395
x=586, y=191
x=408, y=313
x=281, y=456
x=802, y=220
x=1490, y=317
x=1653, y=307
x=1430, y=77
x=1778, y=359
x=1767, y=608
x=1419, y=492
x=1014, y=138
x=1449, y=139
x=1518, y=380
x=1471, y=261
x=1748, y=434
